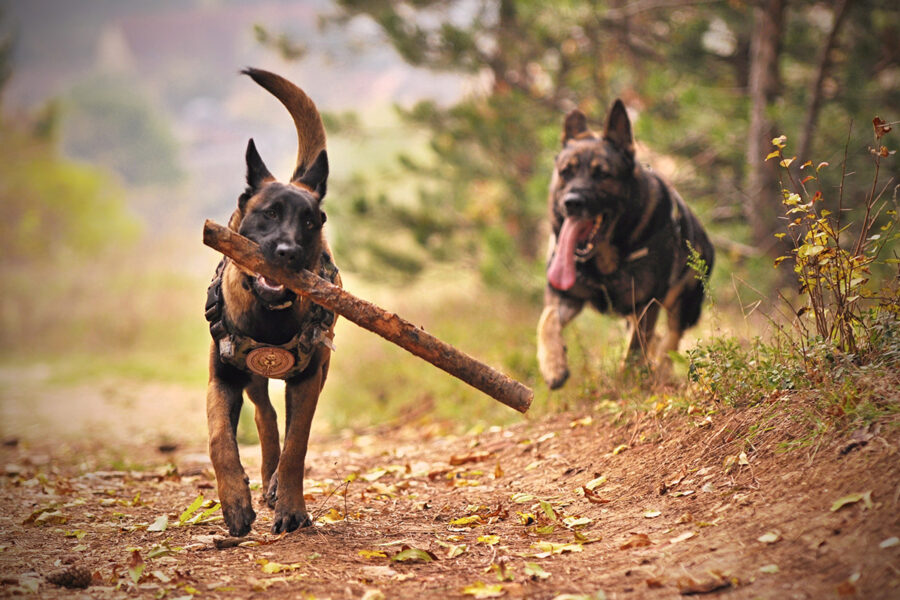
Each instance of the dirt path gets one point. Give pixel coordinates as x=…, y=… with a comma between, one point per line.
x=655, y=507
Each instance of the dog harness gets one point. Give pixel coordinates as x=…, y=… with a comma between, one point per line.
x=274, y=361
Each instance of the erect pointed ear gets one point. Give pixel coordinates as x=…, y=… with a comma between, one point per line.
x=618, y=128
x=316, y=176
x=574, y=125
x=257, y=173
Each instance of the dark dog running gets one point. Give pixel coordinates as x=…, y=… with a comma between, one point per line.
x=621, y=242
x=261, y=330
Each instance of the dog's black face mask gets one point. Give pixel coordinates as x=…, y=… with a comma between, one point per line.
x=285, y=220
x=591, y=188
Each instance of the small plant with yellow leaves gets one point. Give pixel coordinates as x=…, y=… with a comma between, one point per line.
x=834, y=267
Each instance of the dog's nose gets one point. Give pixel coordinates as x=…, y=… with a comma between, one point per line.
x=574, y=202
x=287, y=252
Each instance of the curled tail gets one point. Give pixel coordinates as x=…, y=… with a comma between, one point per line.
x=310, y=130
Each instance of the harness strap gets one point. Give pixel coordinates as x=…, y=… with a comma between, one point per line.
x=275, y=361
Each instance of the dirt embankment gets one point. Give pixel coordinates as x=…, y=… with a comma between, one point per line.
x=738, y=504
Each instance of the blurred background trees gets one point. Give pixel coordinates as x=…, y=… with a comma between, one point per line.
x=710, y=83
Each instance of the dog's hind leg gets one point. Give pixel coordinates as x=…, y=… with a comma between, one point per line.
x=267, y=428
x=301, y=398
x=551, y=348
x=682, y=311
x=223, y=408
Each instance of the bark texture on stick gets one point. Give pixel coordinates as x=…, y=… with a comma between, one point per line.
x=388, y=325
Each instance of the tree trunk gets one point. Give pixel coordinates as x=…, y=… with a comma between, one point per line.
x=762, y=197
x=815, y=99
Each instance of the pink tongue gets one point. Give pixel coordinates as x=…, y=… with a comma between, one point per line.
x=561, y=272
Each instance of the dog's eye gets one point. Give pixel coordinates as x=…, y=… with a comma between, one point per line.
x=568, y=171
x=271, y=213
x=309, y=224
x=599, y=174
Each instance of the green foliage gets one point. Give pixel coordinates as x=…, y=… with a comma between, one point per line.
x=684, y=68
x=54, y=206
x=845, y=343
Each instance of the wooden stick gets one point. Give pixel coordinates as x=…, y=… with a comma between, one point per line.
x=368, y=316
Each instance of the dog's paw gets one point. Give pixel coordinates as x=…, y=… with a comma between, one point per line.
x=239, y=516
x=556, y=381
x=270, y=495
x=286, y=520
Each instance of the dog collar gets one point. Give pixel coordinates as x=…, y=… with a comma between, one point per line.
x=274, y=361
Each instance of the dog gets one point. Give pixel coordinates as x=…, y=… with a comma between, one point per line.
x=262, y=330
x=621, y=240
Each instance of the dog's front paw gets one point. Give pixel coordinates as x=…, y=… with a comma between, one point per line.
x=239, y=515
x=553, y=365
x=556, y=380
x=288, y=520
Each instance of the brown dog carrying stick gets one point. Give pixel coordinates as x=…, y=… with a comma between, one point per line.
x=388, y=325
x=261, y=330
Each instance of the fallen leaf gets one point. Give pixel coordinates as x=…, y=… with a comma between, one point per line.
x=413, y=555
x=470, y=521
x=526, y=518
x=572, y=522
x=490, y=540
x=619, y=449
x=583, y=422
x=769, y=569
x=53, y=517
x=479, y=589
x=595, y=483
x=135, y=566
x=502, y=570
x=190, y=510
x=521, y=497
x=743, y=460
x=685, y=518
x=769, y=537
x=684, y=536
x=271, y=567
x=652, y=514
x=866, y=497
x=535, y=571
x=472, y=457
x=548, y=510
x=373, y=554
x=373, y=594
x=381, y=572
x=637, y=540
x=333, y=515
x=549, y=548
x=689, y=585
x=889, y=543
x=160, y=524
x=728, y=463
x=457, y=550
x=594, y=497
x=374, y=475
